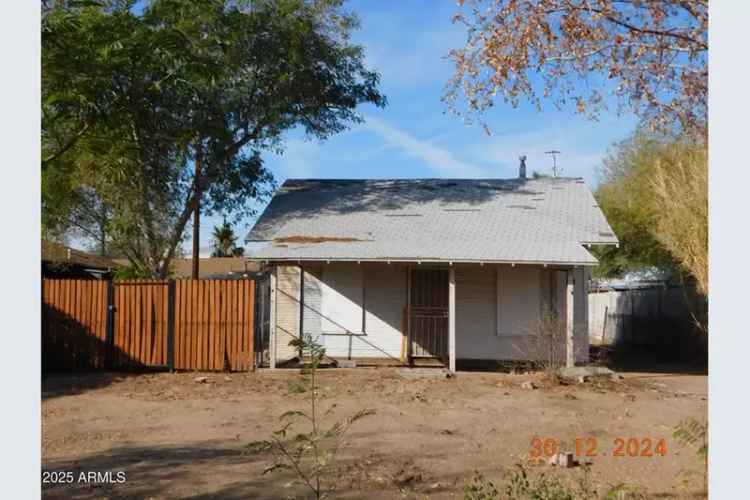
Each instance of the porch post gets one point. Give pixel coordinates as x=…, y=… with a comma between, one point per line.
x=452, y=319
x=272, y=319
x=570, y=357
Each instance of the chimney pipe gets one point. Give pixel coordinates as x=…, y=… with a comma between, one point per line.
x=522, y=167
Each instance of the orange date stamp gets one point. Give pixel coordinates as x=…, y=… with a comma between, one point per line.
x=591, y=447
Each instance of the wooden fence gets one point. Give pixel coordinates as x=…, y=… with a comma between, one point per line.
x=179, y=324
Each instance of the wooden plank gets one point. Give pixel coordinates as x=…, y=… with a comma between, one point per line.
x=90, y=316
x=161, y=331
x=241, y=318
x=192, y=305
x=151, y=339
x=230, y=325
x=124, y=314
x=138, y=330
x=103, y=311
x=120, y=313
x=187, y=325
x=222, y=320
x=83, y=326
x=198, y=311
x=130, y=299
x=165, y=322
x=148, y=324
x=56, y=327
x=46, y=289
x=154, y=308
x=93, y=303
x=178, y=319
x=235, y=324
x=204, y=326
x=227, y=322
x=184, y=323
x=216, y=321
x=213, y=341
x=250, y=327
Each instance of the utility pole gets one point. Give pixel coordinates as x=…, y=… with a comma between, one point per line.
x=197, y=209
x=554, y=154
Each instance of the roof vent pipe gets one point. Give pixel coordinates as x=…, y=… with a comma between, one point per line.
x=522, y=167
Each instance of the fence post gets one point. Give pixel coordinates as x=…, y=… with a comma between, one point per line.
x=110, y=332
x=170, y=324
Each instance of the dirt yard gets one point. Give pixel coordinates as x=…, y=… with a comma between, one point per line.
x=174, y=437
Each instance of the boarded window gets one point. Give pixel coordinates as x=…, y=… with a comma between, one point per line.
x=518, y=300
x=342, y=299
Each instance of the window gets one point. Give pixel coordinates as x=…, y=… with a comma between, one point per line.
x=342, y=299
x=518, y=300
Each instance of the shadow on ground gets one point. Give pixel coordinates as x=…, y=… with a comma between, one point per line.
x=644, y=360
x=165, y=472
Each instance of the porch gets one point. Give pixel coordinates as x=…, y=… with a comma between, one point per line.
x=410, y=312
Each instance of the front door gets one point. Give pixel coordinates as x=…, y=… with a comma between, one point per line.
x=428, y=313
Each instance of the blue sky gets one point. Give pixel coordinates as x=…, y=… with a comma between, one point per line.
x=415, y=136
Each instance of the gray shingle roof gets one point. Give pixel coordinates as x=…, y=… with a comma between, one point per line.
x=480, y=220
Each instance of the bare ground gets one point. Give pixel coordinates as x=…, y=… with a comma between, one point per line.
x=176, y=438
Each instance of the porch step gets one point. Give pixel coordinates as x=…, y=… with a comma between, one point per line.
x=427, y=362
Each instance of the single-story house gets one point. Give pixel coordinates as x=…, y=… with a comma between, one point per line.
x=444, y=269
x=214, y=268
x=60, y=261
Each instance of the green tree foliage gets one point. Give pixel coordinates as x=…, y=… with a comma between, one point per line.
x=225, y=242
x=654, y=192
x=132, y=99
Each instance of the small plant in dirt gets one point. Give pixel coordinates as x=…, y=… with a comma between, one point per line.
x=480, y=488
x=545, y=343
x=522, y=484
x=310, y=452
x=694, y=433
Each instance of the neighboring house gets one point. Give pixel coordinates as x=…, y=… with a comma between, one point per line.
x=59, y=261
x=215, y=268
x=445, y=269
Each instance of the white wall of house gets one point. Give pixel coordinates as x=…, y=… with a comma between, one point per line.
x=357, y=310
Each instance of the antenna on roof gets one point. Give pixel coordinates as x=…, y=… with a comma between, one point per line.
x=554, y=154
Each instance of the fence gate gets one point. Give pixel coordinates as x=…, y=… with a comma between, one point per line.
x=176, y=324
x=140, y=331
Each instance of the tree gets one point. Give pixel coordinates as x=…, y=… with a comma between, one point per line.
x=651, y=55
x=654, y=192
x=166, y=112
x=225, y=242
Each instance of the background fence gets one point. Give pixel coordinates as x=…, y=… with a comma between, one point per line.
x=176, y=324
x=646, y=317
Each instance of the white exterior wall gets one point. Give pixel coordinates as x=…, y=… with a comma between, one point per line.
x=384, y=305
x=524, y=291
x=479, y=333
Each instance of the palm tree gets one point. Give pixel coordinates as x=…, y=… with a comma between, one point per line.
x=225, y=242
